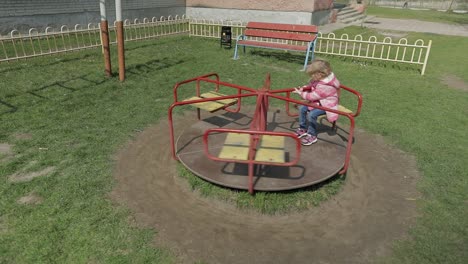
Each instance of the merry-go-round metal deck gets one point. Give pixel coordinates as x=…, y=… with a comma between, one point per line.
x=317, y=162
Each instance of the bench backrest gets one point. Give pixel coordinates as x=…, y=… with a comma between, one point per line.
x=281, y=31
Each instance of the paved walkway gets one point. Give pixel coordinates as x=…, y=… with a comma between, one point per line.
x=406, y=25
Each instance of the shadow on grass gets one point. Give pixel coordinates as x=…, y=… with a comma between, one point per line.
x=292, y=57
x=152, y=66
x=48, y=92
x=58, y=88
x=71, y=85
x=10, y=108
x=59, y=59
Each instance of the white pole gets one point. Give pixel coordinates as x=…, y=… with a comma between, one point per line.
x=102, y=7
x=427, y=57
x=105, y=38
x=118, y=10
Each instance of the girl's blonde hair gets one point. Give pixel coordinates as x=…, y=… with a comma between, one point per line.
x=320, y=66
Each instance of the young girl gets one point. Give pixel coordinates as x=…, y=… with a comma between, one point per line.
x=322, y=90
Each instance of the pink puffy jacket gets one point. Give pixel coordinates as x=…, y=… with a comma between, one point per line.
x=324, y=93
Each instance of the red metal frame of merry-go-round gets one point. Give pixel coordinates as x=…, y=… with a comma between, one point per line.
x=258, y=125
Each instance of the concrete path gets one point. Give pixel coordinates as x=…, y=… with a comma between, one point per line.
x=406, y=25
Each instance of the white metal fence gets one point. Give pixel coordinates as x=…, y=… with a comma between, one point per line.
x=373, y=49
x=146, y=29
x=18, y=46
x=212, y=28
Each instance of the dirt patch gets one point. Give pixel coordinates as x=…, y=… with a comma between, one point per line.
x=25, y=177
x=32, y=198
x=23, y=136
x=6, y=152
x=394, y=35
x=5, y=149
x=455, y=82
x=375, y=207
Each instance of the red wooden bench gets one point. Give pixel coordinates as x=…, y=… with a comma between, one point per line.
x=279, y=36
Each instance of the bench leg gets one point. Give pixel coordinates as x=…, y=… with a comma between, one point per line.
x=235, y=53
x=312, y=50
x=309, y=51
x=306, y=61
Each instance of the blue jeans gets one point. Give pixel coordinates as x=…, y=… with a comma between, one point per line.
x=311, y=116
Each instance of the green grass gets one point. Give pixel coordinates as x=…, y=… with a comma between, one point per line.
x=423, y=15
x=77, y=119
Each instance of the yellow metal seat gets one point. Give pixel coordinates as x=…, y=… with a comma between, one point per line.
x=236, y=146
x=212, y=106
x=271, y=149
x=340, y=108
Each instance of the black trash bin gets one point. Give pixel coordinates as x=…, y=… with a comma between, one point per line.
x=226, y=36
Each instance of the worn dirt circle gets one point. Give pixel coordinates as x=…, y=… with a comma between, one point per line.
x=375, y=207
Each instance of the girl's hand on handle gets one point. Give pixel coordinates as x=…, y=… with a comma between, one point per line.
x=298, y=90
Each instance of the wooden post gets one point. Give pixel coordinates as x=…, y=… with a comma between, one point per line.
x=105, y=38
x=120, y=39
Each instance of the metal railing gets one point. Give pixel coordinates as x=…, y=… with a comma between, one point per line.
x=147, y=29
x=18, y=46
x=212, y=28
x=385, y=50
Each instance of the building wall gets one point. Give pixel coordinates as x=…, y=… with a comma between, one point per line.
x=272, y=5
x=25, y=14
x=305, y=18
x=281, y=11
